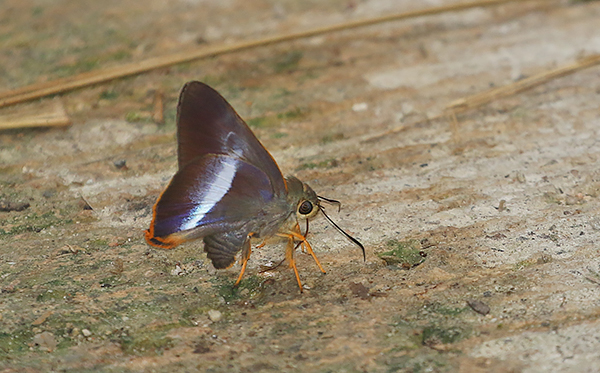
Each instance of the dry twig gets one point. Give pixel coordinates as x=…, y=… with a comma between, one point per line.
x=477, y=100
x=56, y=118
x=480, y=99
x=34, y=91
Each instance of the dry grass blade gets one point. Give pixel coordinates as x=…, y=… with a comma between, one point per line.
x=480, y=99
x=477, y=100
x=158, y=110
x=103, y=75
x=594, y=277
x=56, y=118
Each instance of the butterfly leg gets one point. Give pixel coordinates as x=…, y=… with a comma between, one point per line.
x=297, y=230
x=312, y=253
x=246, y=251
x=289, y=255
x=298, y=236
x=306, y=245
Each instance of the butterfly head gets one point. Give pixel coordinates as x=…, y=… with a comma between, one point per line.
x=308, y=204
x=303, y=198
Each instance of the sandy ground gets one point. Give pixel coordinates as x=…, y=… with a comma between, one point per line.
x=501, y=206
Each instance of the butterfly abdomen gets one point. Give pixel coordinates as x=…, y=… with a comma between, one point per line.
x=222, y=248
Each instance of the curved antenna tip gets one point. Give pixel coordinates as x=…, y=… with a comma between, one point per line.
x=331, y=202
x=354, y=240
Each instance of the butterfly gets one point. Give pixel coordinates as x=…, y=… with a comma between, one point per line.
x=228, y=190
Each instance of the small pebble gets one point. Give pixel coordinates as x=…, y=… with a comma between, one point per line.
x=49, y=193
x=595, y=224
x=120, y=163
x=478, y=306
x=45, y=341
x=177, y=271
x=361, y=106
x=214, y=315
x=520, y=177
x=86, y=332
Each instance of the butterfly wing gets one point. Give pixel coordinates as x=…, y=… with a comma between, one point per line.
x=207, y=124
x=209, y=195
x=227, y=187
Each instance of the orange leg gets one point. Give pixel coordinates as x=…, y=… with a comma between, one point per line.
x=297, y=230
x=289, y=254
x=306, y=245
x=312, y=253
x=246, y=251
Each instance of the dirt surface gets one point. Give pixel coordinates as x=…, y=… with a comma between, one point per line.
x=481, y=233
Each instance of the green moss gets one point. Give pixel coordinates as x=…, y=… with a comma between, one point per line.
x=56, y=282
x=137, y=116
x=30, y=223
x=331, y=138
x=13, y=170
x=279, y=135
x=83, y=65
x=280, y=93
x=328, y=163
x=194, y=310
x=292, y=114
x=97, y=243
x=270, y=121
x=52, y=295
x=229, y=292
x=447, y=311
x=170, y=119
x=110, y=281
x=523, y=264
x=402, y=337
x=262, y=122
x=100, y=264
x=287, y=62
x=280, y=328
x=109, y=95
x=552, y=198
x=309, y=74
x=213, y=80
x=65, y=342
x=407, y=254
x=15, y=342
x=434, y=334
x=120, y=55
x=142, y=343
x=37, y=11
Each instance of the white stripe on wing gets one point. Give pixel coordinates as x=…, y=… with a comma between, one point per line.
x=220, y=184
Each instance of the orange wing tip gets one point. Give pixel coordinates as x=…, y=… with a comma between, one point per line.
x=167, y=242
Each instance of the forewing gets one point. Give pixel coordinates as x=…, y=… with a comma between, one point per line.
x=209, y=195
x=207, y=124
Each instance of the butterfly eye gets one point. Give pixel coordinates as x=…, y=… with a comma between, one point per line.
x=305, y=208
